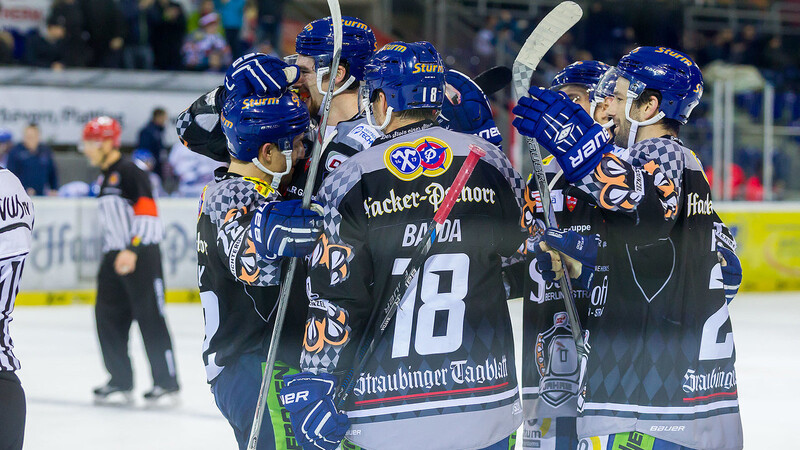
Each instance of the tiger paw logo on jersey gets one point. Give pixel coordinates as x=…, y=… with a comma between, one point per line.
x=427, y=156
x=528, y=219
x=616, y=190
x=328, y=325
x=666, y=189
x=335, y=257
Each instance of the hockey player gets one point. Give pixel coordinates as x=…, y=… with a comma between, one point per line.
x=348, y=132
x=550, y=372
x=660, y=373
x=579, y=81
x=443, y=374
x=130, y=284
x=16, y=225
x=239, y=289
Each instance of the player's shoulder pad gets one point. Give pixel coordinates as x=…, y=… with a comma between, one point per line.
x=356, y=134
x=243, y=194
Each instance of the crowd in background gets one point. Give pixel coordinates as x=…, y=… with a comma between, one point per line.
x=145, y=34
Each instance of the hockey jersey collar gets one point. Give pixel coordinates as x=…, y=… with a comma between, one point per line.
x=417, y=126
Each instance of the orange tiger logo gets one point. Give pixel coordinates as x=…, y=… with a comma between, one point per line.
x=612, y=173
x=335, y=257
x=666, y=189
x=331, y=329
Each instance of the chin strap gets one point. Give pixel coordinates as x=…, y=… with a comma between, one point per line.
x=324, y=71
x=635, y=124
x=370, y=115
x=276, y=176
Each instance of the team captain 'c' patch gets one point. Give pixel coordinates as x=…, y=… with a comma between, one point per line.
x=427, y=156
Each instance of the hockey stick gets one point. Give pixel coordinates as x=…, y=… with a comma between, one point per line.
x=283, y=298
x=368, y=341
x=550, y=29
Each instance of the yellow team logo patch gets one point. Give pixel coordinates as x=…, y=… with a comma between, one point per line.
x=427, y=156
x=261, y=187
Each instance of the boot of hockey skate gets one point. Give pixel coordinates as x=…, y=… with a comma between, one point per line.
x=111, y=395
x=161, y=397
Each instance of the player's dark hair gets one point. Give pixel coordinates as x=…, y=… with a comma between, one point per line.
x=671, y=125
x=354, y=86
x=418, y=115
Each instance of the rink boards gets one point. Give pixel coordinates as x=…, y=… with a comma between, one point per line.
x=62, y=266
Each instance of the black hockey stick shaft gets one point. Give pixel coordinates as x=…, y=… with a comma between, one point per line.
x=382, y=316
x=286, y=285
x=554, y=25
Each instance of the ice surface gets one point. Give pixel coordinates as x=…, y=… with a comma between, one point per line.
x=61, y=364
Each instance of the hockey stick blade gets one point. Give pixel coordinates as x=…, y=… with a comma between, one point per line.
x=283, y=297
x=554, y=25
x=494, y=79
x=368, y=341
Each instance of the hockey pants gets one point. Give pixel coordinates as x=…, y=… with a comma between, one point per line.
x=12, y=412
x=137, y=296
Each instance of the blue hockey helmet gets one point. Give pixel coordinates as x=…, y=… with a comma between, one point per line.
x=5, y=136
x=466, y=108
x=584, y=73
x=411, y=76
x=358, y=43
x=670, y=72
x=250, y=122
x=144, y=159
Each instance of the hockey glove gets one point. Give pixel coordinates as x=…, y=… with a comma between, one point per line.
x=731, y=272
x=466, y=109
x=284, y=228
x=309, y=399
x=564, y=129
x=259, y=74
x=580, y=254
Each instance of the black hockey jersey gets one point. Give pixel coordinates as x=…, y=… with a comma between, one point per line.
x=550, y=372
x=443, y=375
x=238, y=289
x=662, y=353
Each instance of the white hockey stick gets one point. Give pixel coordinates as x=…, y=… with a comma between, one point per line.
x=554, y=25
x=283, y=298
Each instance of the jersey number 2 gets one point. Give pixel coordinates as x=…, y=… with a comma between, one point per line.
x=444, y=287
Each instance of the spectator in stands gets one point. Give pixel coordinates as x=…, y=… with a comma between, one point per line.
x=105, y=25
x=167, y=34
x=193, y=23
x=5, y=146
x=485, y=42
x=32, y=162
x=151, y=138
x=270, y=15
x=69, y=14
x=232, y=13
x=137, y=53
x=206, y=48
x=47, y=50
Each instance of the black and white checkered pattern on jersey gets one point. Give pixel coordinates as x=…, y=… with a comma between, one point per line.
x=10, y=274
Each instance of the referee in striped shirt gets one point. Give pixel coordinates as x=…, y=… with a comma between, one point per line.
x=16, y=223
x=130, y=283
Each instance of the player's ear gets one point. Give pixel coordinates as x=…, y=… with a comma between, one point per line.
x=266, y=152
x=650, y=108
x=341, y=73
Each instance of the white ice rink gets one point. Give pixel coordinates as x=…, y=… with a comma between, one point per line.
x=61, y=364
